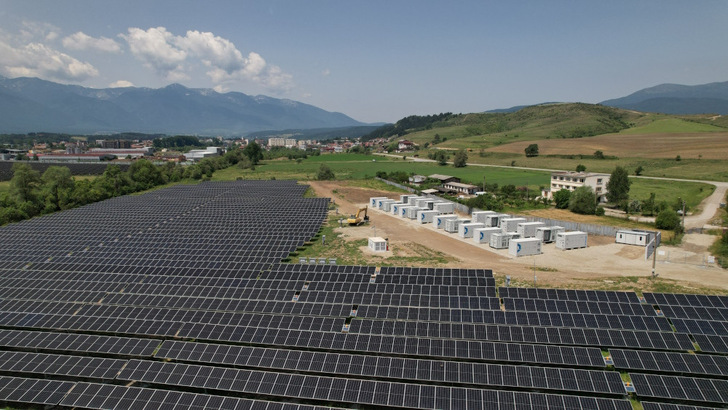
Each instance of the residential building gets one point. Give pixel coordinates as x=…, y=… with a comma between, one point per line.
x=417, y=179
x=405, y=145
x=571, y=180
x=460, y=188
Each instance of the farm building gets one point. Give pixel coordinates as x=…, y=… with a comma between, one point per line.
x=571, y=180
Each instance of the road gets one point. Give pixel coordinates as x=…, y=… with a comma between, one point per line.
x=709, y=205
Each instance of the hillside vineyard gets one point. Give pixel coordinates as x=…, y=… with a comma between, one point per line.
x=179, y=298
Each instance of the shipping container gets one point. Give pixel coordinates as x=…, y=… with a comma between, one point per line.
x=547, y=234
x=444, y=207
x=377, y=244
x=571, y=240
x=500, y=240
x=374, y=201
x=480, y=216
x=524, y=247
x=424, y=202
x=511, y=224
x=412, y=212
x=381, y=202
x=452, y=225
x=495, y=220
x=440, y=220
x=427, y=217
x=634, y=237
x=468, y=230
x=528, y=229
x=482, y=235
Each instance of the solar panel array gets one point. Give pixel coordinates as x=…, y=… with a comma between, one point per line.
x=178, y=298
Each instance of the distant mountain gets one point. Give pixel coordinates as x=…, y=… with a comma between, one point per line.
x=514, y=109
x=677, y=99
x=32, y=105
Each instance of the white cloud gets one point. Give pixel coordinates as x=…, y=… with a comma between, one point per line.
x=39, y=60
x=173, y=55
x=155, y=48
x=82, y=41
x=121, y=84
x=326, y=72
x=33, y=31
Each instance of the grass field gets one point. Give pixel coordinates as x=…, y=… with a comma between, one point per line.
x=366, y=167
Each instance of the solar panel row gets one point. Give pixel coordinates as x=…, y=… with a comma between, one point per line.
x=122, y=346
x=398, y=368
x=569, y=294
x=573, y=306
x=681, y=388
x=670, y=362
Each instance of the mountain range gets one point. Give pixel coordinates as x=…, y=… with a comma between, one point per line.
x=677, y=99
x=34, y=105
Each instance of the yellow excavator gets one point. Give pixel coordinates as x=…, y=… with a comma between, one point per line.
x=358, y=219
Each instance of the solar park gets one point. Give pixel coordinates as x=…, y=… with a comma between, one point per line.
x=179, y=298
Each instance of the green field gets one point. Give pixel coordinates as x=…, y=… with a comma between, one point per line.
x=664, y=125
x=351, y=166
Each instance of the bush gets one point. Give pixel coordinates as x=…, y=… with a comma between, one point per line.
x=561, y=198
x=583, y=201
x=532, y=150
x=667, y=219
x=325, y=173
x=599, y=211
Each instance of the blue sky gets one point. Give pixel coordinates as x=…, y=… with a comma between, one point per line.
x=372, y=60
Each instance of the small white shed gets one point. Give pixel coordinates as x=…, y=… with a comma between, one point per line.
x=378, y=244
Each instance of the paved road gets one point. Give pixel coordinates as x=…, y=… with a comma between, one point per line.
x=709, y=205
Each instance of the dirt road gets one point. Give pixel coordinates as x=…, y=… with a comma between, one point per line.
x=603, y=260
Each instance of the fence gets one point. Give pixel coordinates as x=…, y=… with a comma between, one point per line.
x=688, y=258
x=394, y=184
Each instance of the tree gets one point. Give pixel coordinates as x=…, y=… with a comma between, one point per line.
x=436, y=139
x=561, y=198
x=57, y=188
x=677, y=158
x=618, y=186
x=598, y=155
x=441, y=157
x=580, y=168
x=145, y=175
x=24, y=183
x=532, y=150
x=667, y=219
x=253, y=152
x=460, y=159
x=638, y=170
x=583, y=201
x=648, y=205
x=325, y=173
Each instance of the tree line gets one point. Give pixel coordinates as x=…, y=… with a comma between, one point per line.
x=32, y=193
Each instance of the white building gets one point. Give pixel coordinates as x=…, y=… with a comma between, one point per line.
x=571, y=180
x=198, y=154
x=276, y=142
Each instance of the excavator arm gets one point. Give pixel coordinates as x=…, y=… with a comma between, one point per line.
x=358, y=219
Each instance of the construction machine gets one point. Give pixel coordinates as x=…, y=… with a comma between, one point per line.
x=358, y=219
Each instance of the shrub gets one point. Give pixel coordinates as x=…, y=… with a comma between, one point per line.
x=583, y=201
x=325, y=173
x=667, y=219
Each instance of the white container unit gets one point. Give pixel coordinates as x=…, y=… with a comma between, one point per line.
x=412, y=212
x=404, y=209
x=500, y=240
x=377, y=244
x=440, y=220
x=495, y=220
x=524, y=247
x=571, y=240
x=528, y=229
x=468, y=230
x=406, y=197
x=482, y=235
x=387, y=206
x=396, y=208
x=480, y=216
x=424, y=202
x=374, y=201
x=453, y=225
x=511, y=224
x=547, y=234
x=381, y=202
x=444, y=207
x=639, y=238
x=427, y=217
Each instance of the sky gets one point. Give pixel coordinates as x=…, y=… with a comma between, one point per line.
x=376, y=61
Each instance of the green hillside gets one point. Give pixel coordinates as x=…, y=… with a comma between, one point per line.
x=573, y=120
x=566, y=120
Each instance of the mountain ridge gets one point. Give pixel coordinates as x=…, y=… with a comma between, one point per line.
x=32, y=105
x=668, y=98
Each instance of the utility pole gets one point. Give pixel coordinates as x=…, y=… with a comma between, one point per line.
x=683, y=215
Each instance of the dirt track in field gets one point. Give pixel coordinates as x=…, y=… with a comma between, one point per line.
x=598, y=264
